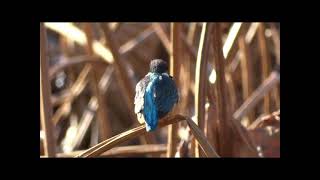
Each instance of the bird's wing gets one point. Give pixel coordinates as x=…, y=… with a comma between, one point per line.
x=166, y=94
x=138, y=99
x=140, y=91
x=150, y=110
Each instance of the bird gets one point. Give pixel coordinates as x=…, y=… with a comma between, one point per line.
x=156, y=95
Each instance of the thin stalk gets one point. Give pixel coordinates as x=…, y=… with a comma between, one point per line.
x=102, y=116
x=225, y=136
x=201, y=79
x=45, y=93
x=265, y=63
x=175, y=58
x=247, y=73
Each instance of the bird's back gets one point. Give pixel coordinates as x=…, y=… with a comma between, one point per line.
x=166, y=95
x=156, y=94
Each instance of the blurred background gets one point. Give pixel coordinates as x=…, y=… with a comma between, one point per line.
x=228, y=75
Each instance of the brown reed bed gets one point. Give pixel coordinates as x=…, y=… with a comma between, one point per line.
x=228, y=76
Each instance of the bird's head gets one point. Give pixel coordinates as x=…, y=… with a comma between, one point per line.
x=158, y=66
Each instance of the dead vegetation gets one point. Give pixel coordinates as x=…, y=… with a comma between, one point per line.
x=228, y=75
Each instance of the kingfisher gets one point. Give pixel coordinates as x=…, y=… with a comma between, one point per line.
x=156, y=95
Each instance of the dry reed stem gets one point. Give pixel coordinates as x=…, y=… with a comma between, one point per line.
x=176, y=46
x=242, y=109
x=102, y=116
x=191, y=33
x=134, y=42
x=275, y=115
x=230, y=47
x=75, y=90
x=94, y=135
x=88, y=115
x=247, y=73
x=106, y=79
x=124, y=49
x=77, y=35
x=68, y=95
x=120, y=70
x=175, y=61
x=265, y=63
x=106, y=145
x=72, y=61
x=257, y=95
x=185, y=81
x=65, y=94
x=191, y=50
x=208, y=150
x=133, y=150
x=85, y=123
x=80, y=41
x=162, y=36
x=210, y=94
x=201, y=79
x=211, y=126
x=248, y=37
x=66, y=50
x=231, y=91
x=123, y=77
x=45, y=102
x=61, y=98
x=252, y=31
x=246, y=138
x=92, y=105
x=225, y=136
x=276, y=42
x=226, y=125
x=132, y=133
x=192, y=147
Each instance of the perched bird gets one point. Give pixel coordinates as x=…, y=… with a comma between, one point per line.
x=156, y=95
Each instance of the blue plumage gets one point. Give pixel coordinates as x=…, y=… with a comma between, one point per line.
x=156, y=94
x=150, y=111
